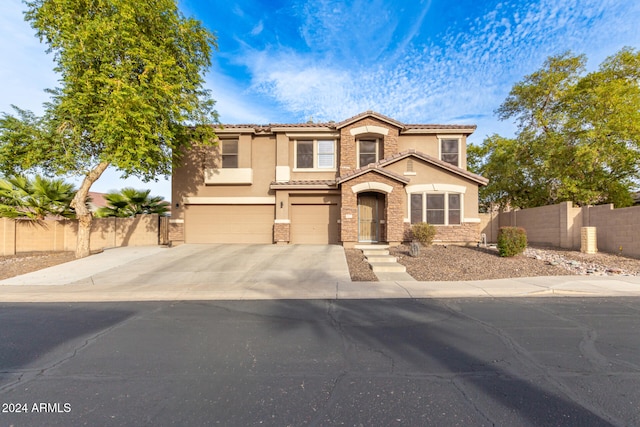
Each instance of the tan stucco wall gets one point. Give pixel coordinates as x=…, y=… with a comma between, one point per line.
x=188, y=179
x=430, y=174
x=429, y=144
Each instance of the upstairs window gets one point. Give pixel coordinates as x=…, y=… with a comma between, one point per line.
x=229, y=154
x=316, y=154
x=368, y=152
x=450, y=151
x=304, y=156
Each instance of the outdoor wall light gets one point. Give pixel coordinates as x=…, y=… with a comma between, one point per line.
x=177, y=205
x=281, y=205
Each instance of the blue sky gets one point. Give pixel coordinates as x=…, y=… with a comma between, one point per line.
x=429, y=61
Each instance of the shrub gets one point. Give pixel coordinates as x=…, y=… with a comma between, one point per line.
x=423, y=233
x=511, y=241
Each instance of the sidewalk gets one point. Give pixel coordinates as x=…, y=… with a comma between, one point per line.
x=138, y=274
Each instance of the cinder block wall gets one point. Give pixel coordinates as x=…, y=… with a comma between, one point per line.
x=615, y=228
x=7, y=236
x=559, y=225
x=18, y=236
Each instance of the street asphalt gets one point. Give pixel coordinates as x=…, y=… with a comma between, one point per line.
x=264, y=272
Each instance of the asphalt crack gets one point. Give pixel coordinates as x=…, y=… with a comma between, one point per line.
x=526, y=358
x=28, y=375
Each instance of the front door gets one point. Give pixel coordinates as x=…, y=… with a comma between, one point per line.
x=368, y=218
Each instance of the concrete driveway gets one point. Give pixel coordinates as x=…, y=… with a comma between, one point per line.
x=194, y=264
x=190, y=271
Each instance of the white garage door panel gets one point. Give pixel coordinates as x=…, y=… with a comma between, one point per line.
x=315, y=224
x=229, y=224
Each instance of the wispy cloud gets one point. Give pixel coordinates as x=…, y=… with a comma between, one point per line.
x=462, y=74
x=257, y=29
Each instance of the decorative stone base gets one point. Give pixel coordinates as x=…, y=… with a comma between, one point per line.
x=281, y=233
x=464, y=234
x=176, y=233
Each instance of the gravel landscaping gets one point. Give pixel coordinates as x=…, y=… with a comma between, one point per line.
x=451, y=263
x=15, y=265
x=435, y=263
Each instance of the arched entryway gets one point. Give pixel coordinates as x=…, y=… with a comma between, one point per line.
x=371, y=217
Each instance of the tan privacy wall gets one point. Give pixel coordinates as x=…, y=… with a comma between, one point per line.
x=18, y=236
x=617, y=230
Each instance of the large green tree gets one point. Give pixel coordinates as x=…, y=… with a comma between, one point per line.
x=578, y=136
x=130, y=202
x=131, y=94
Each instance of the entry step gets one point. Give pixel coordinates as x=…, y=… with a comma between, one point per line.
x=373, y=246
x=386, y=267
x=374, y=252
x=381, y=258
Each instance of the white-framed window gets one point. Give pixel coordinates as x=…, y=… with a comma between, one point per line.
x=368, y=151
x=229, y=149
x=450, y=150
x=315, y=154
x=442, y=208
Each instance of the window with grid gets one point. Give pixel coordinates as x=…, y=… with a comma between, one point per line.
x=368, y=149
x=315, y=154
x=229, y=154
x=449, y=151
x=436, y=209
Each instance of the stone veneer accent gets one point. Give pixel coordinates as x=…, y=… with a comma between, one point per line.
x=467, y=233
x=281, y=233
x=348, y=147
x=395, y=201
x=176, y=233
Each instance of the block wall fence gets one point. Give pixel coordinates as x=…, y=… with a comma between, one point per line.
x=18, y=236
x=617, y=230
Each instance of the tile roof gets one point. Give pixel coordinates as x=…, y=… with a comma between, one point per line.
x=323, y=183
x=338, y=125
x=373, y=167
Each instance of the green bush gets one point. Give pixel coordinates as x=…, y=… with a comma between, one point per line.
x=511, y=241
x=423, y=233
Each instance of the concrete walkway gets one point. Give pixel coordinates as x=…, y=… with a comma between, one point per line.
x=255, y=272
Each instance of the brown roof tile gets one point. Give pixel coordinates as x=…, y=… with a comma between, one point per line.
x=338, y=125
x=373, y=167
x=323, y=183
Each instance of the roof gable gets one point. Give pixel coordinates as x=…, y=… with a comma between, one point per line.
x=372, y=114
x=375, y=168
x=436, y=162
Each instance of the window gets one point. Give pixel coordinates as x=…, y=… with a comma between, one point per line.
x=449, y=151
x=368, y=151
x=304, y=159
x=437, y=209
x=316, y=154
x=230, y=154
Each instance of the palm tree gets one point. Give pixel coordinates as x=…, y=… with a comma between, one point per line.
x=21, y=197
x=130, y=202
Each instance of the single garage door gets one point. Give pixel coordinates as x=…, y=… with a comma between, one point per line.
x=315, y=224
x=229, y=223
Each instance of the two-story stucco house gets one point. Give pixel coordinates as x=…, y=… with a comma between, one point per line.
x=366, y=179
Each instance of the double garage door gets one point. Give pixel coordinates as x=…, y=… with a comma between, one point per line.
x=312, y=222
x=229, y=224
